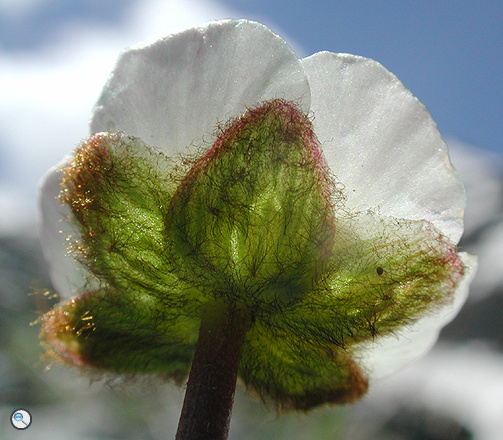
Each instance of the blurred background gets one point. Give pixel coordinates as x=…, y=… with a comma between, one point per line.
x=55, y=56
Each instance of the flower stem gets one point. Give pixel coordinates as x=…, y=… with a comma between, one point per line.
x=207, y=407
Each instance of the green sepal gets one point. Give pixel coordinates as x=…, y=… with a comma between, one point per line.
x=253, y=219
x=387, y=275
x=121, y=333
x=119, y=191
x=298, y=374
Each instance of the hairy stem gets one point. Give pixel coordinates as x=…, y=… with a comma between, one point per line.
x=207, y=407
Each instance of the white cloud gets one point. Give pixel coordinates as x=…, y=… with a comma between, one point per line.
x=47, y=95
x=463, y=383
x=482, y=174
x=16, y=8
x=489, y=278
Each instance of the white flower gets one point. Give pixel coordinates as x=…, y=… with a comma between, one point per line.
x=380, y=144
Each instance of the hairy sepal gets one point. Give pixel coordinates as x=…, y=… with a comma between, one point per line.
x=391, y=274
x=253, y=219
x=122, y=333
x=384, y=275
x=296, y=374
x=119, y=191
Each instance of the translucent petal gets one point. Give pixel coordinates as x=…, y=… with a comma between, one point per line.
x=56, y=229
x=383, y=356
x=174, y=92
x=381, y=143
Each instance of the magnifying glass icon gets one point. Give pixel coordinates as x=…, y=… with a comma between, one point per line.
x=20, y=419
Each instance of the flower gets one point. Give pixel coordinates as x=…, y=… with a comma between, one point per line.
x=323, y=208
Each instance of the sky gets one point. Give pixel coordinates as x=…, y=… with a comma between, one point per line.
x=55, y=56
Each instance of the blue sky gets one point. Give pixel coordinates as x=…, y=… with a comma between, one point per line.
x=55, y=56
x=448, y=53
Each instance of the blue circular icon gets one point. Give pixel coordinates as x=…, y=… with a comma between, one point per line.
x=20, y=419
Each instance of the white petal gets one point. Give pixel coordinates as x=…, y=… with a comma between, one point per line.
x=172, y=93
x=381, y=142
x=56, y=228
x=382, y=357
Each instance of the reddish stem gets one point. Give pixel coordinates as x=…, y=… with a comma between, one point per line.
x=207, y=407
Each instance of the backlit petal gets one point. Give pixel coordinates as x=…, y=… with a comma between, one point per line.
x=173, y=93
x=381, y=143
